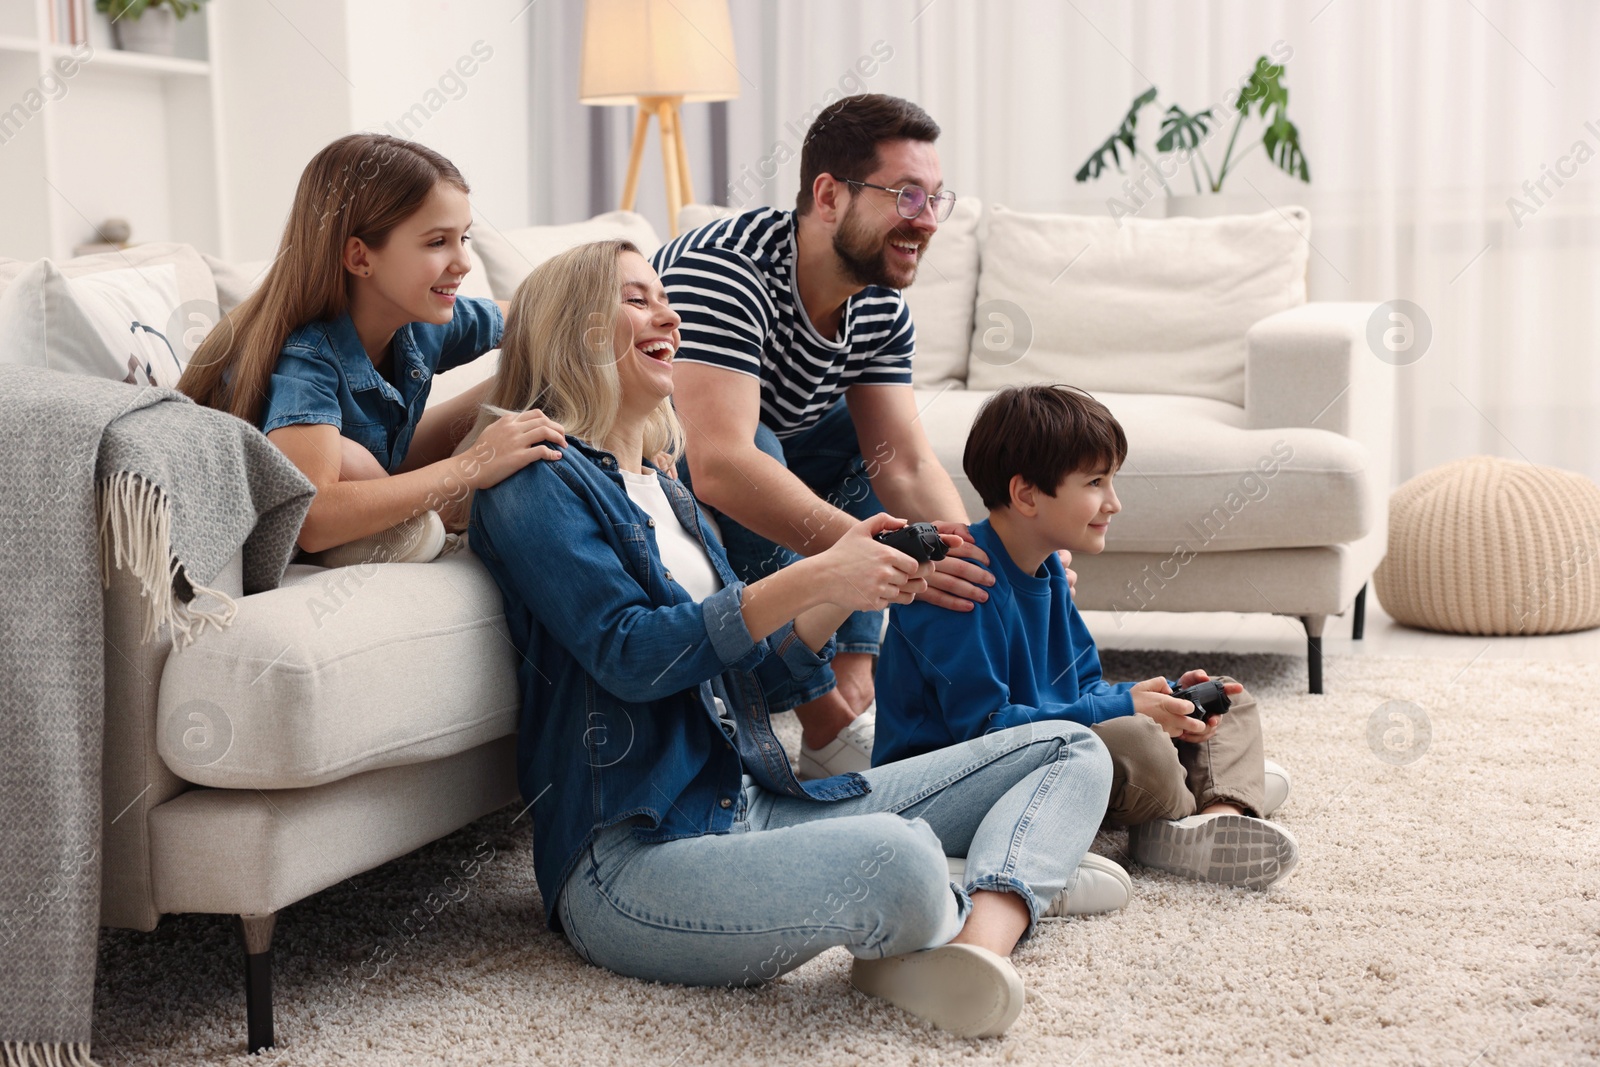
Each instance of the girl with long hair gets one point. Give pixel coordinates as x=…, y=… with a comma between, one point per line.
x=672, y=840
x=333, y=356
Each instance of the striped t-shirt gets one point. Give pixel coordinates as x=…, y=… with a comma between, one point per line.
x=733, y=283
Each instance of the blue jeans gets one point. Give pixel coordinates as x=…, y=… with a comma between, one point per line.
x=796, y=876
x=827, y=458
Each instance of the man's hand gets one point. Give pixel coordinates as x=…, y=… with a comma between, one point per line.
x=955, y=582
x=1153, y=698
x=1072, y=575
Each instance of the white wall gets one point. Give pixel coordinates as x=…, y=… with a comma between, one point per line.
x=297, y=74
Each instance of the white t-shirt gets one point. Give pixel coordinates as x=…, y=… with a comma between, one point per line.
x=681, y=553
x=686, y=562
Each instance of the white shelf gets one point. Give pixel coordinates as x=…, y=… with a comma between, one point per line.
x=139, y=62
x=127, y=135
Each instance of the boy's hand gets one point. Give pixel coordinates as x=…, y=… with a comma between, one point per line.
x=1153, y=697
x=1072, y=575
x=956, y=583
x=1195, y=677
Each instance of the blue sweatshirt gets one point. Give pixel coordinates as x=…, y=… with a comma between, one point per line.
x=1023, y=655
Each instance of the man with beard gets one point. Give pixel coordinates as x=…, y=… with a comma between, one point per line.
x=793, y=383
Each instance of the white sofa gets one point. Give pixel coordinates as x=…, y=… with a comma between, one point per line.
x=351, y=716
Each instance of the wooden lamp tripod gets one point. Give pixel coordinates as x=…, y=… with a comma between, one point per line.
x=659, y=55
x=674, y=158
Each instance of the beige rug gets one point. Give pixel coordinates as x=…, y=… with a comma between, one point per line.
x=1446, y=910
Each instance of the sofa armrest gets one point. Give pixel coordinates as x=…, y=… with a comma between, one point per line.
x=133, y=778
x=1310, y=366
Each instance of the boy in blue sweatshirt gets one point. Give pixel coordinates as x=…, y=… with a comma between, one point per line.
x=1194, y=795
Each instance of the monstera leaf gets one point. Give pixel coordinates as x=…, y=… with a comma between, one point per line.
x=1282, y=142
x=1123, y=138
x=1182, y=130
x=1264, y=88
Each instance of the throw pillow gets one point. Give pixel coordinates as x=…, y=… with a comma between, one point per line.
x=1131, y=305
x=136, y=315
x=510, y=255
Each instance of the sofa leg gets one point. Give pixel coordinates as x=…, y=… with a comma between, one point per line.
x=256, y=933
x=1358, y=623
x=1313, y=625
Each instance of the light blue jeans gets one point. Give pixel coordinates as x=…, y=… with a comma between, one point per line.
x=798, y=876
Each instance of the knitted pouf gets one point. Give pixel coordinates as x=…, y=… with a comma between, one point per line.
x=1489, y=546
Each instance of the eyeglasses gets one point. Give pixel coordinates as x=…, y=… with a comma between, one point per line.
x=911, y=199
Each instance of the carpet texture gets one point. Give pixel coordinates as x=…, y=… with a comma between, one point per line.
x=1446, y=909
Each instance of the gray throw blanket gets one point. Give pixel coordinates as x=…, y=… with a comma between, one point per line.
x=171, y=490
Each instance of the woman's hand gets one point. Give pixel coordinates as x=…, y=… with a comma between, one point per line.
x=508, y=444
x=861, y=574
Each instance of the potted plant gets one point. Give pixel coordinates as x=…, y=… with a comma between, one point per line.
x=147, y=25
x=1182, y=142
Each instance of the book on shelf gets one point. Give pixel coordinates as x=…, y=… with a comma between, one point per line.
x=69, y=21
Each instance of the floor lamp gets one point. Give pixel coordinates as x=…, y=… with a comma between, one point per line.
x=658, y=55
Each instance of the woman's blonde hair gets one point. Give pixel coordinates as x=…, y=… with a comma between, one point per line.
x=557, y=353
x=362, y=185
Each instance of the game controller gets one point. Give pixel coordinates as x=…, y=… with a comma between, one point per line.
x=919, y=540
x=1208, y=698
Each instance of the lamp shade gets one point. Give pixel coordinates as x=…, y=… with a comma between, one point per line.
x=634, y=48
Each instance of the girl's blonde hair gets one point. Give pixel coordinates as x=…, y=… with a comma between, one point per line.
x=362, y=185
x=557, y=352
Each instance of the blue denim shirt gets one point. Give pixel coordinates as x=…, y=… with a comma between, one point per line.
x=620, y=666
x=324, y=376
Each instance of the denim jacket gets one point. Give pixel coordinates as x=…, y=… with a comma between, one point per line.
x=324, y=375
x=620, y=666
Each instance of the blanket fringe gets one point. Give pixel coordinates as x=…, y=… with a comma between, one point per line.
x=46, y=1054
x=136, y=530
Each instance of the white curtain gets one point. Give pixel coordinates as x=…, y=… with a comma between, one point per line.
x=1419, y=121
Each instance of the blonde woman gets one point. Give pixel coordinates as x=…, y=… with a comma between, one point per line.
x=672, y=840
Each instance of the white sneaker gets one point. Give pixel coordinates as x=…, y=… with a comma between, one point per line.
x=964, y=989
x=1225, y=849
x=850, y=751
x=1278, y=784
x=419, y=539
x=1102, y=887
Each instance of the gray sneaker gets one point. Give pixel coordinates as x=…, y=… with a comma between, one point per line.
x=1278, y=784
x=1225, y=849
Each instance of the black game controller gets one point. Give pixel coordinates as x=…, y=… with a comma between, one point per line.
x=1208, y=698
x=919, y=540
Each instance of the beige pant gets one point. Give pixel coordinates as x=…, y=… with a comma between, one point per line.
x=1154, y=776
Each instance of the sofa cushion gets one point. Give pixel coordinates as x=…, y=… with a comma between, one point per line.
x=1195, y=476
x=126, y=315
x=1132, y=305
x=342, y=671
x=942, y=297
x=510, y=255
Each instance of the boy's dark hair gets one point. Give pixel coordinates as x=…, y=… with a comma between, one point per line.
x=1042, y=432
x=844, y=139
